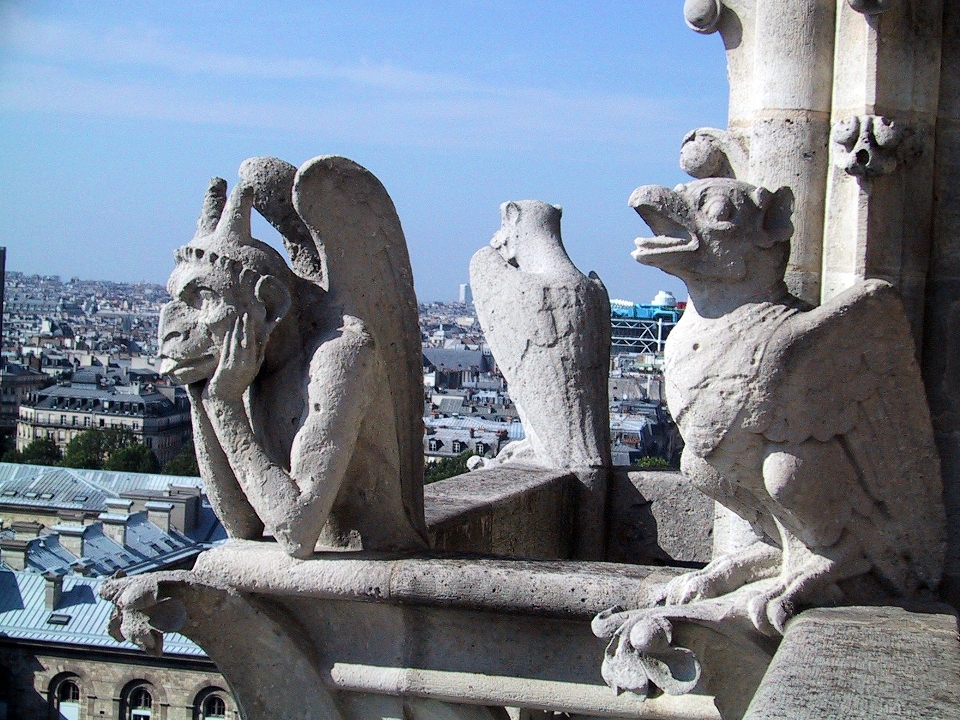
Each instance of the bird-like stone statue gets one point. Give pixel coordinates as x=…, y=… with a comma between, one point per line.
x=809, y=423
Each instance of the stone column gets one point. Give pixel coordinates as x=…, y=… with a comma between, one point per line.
x=880, y=188
x=793, y=67
x=941, y=347
x=780, y=66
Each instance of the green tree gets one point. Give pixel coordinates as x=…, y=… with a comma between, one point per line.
x=183, y=463
x=40, y=452
x=133, y=458
x=446, y=467
x=92, y=448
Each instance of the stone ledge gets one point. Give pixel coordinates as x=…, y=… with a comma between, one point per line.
x=553, y=588
x=862, y=663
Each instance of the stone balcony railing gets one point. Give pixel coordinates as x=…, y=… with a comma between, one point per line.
x=496, y=618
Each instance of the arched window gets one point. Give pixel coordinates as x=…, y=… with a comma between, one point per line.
x=210, y=705
x=67, y=699
x=214, y=707
x=138, y=703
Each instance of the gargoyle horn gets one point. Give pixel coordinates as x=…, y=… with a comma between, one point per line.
x=235, y=220
x=213, y=203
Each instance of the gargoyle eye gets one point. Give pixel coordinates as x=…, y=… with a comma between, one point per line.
x=719, y=209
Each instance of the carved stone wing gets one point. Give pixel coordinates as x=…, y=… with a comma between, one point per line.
x=846, y=370
x=362, y=250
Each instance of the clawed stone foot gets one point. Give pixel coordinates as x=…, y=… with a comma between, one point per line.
x=640, y=653
x=725, y=575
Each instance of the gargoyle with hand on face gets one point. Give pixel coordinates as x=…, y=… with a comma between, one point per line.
x=303, y=409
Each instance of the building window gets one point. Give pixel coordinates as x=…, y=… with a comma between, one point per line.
x=74, y=419
x=63, y=419
x=482, y=448
x=86, y=422
x=102, y=422
x=213, y=707
x=434, y=445
x=457, y=446
x=138, y=704
x=65, y=696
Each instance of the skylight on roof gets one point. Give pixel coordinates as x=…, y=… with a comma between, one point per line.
x=46, y=496
x=59, y=619
x=9, y=493
x=80, y=498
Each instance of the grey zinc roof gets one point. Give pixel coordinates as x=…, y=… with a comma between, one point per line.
x=23, y=614
x=147, y=548
x=73, y=489
x=444, y=359
x=514, y=429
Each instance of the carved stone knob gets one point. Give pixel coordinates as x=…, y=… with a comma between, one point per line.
x=868, y=145
x=702, y=16
x=870, y=7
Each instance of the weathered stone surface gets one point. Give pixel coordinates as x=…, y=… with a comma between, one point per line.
x=503, y=511
x=836, y=472
x=862, y=663
x=306, y=388
x=548, y=326
x=659, y=517
x=454, y=630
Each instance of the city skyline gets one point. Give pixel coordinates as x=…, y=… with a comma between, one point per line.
x=456, y=107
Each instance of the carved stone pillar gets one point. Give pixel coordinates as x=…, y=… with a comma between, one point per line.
x=791, y=122
x=886, y=81
x=941, y=347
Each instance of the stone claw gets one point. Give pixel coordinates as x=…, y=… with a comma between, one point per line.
x=641, y=653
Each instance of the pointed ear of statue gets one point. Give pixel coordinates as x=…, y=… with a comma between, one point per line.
x=214, y=201
x=777, y=211
x=510, y=212
x=274, y=296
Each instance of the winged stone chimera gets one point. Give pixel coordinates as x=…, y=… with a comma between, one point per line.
x=809, y=423
x=305, y=382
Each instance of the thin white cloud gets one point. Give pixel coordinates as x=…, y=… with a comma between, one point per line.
x=128, y=73
x=151, y=49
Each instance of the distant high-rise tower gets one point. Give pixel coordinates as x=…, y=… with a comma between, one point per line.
x=466, y=295
x=3, y=282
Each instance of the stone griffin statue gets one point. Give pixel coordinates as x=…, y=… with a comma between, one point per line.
x=306, y=381
x=548, y=326
x=809, y=423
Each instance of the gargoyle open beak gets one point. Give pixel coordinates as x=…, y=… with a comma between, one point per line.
x=666, y=212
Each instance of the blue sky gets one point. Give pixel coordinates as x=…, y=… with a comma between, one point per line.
x=114, y=115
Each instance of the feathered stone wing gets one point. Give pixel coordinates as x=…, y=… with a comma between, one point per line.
x=551, y=338
x=846, y=370
x=367, y=273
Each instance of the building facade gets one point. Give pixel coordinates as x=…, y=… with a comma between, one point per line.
x=158, y=416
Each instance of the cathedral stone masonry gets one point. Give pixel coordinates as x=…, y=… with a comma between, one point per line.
x=815, y=378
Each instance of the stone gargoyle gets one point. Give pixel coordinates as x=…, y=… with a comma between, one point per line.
x=809, y=423
x=306, y=381
x=548, y=326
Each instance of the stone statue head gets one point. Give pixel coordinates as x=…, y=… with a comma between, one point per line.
x=525, y=226
x=713, y=229
x=221, y=275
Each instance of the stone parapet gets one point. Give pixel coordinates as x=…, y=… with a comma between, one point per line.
x=861, y=663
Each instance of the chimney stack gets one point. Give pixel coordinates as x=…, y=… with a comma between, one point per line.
x=14, y=553
x=71, y=538
x=159, y=514
x=26, y=529
x=54, y=589
x=115, y=520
